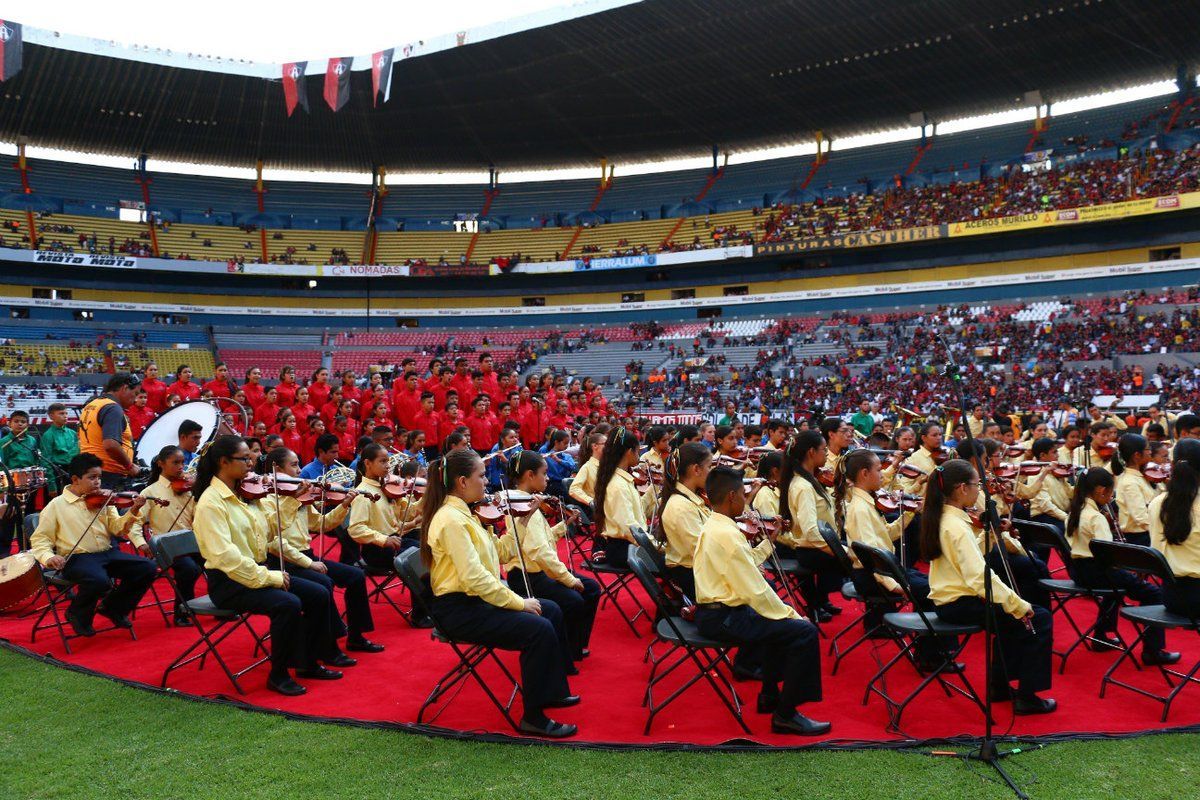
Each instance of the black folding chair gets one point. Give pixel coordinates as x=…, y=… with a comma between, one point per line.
x=910, y=627
x=411, y=570
x=651, y=550
x=619, y=579
x=706, y=654
x=213, y=625
x=1147, y=561
x=57, y=589
x=581, y=536
x=873, y=597
x=1064, y=590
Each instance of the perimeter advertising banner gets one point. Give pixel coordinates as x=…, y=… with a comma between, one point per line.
x=1071, y=216
x=843, y=241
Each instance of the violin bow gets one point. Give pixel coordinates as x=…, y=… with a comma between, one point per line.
x=512, y=524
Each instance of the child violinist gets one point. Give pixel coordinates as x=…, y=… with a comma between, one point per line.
x=549, y=579
x=807, y=504
x=618, y=506
x=169, y=484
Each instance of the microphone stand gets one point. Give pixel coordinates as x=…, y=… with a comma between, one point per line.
x=986, y=752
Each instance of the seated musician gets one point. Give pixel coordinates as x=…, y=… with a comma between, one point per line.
x=473, y=605
x=736, y=604
x=806, y=504
x=176, y=515
x=617, y=504
x=73, y=539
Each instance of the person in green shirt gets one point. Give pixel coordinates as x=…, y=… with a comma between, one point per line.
x=59, y=443
x=863, y=422
x=731, y=416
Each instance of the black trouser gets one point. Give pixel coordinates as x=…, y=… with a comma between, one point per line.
x=187, y=571
x=929, y=650
x=1141, y=538
x=383, y=559
x=616, y=551
x=826, y=576
x=467, y=618
x=300, y=632
x=912, y=541
x=1183, y=597
x=1019, y=654
x=1043, y=551
x=93, y=574
x=1090, y=575
x=685, y=579
x=354, y=582
x=791, y=650
x=578, y=608
x=1027, y=571
x=336, y=629
x=9, y=527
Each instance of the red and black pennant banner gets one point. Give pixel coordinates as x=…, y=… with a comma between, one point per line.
x=295, y=91
x=11, y=46
x=381, y=75
x=337, y=82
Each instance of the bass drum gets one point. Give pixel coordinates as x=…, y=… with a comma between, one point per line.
x=165, y=430
x=20, y=579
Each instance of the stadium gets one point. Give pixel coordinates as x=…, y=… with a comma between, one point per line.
x=371, y=420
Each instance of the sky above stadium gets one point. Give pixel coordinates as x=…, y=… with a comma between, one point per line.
x=268, y=31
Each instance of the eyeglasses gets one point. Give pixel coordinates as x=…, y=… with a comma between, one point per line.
x=247, y=459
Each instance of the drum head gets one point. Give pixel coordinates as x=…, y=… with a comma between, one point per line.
x=165, y=430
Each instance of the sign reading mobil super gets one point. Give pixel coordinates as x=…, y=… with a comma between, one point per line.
x=620, y=262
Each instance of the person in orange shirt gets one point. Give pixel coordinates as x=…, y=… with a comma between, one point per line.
x=221, y=385
x=156, y=390
x=183, y=385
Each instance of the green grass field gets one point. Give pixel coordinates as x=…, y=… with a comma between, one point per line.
x=65, y=735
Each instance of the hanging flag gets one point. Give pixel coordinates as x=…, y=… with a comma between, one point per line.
x=10, y=49
x=337, y=82
x=295, y=90
x=381, y=75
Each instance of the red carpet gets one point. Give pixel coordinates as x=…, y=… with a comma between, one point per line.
x=391, y=686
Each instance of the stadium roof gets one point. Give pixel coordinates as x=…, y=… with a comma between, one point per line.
x=657, y=79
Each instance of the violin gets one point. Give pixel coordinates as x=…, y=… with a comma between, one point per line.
x=1007, y=471
x=749, y=483
x=891, y=502
x=397, y=488
x=332, y=495
x=976, y=516
x=1028, y=468
x=827, y=478
x=941, y=455
x=645, y=475
x=910, y=471
x=182, y=485
x=744, y=455
x=256, y=487
x=1014, y=451
x=495, y=507
x=1105, y=451
x=1156, y=473
x=103, y=497
x=1002, y=487
x=755, y=526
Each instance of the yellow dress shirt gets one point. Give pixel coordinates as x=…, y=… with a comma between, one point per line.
x=865, y=524
x=65, y=521
x=623, y=508
x=726, y=572
x=1184, y=558
x=653, y=458
x=1053, y=499
x=297, y=521
x=923, y=460
x=373, y=521
x=1092, y=525
x=233, y=538
x=834, y=461
x=539, y=546
x=465, y=558
x=1081, y=456
x=766, y=502
x=1134, y=494
x=683, y=517
x=959, y=570
x=163, y=519
x=807, y=507
x=583, y=488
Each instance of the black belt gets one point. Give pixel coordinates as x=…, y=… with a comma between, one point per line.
x=712, y=606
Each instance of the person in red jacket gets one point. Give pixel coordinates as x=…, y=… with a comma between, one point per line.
x=442, y=388
x=220, y=385
x=406, y=399
x=369, y=401
x=534, y=422
x=183, y=385
x=319, y=388
x=292, y=439
x=435, y=375
x=484, y=427
x=303, y=409
x=428, y=420
x=268, y=410
x=333, y=407
x=561, y=418
x=347, y=438
x=255, y=394
x=450, y=418
x=461, y=380
x=156, y=390
x=490, y=381
x=316, y=429
x=139, y=414
x=286, y=388
x=350, y=390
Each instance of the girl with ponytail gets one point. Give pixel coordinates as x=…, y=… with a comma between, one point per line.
x=471, y=603
x=375, y=526
x=1175, y=529
x=618, y=506
x=175, y=516
x=233, y=540
x=549, y=579
x=683, y=511
x=956, y=588
x=583, y=487
x=806, y=504
x=1134, y=492
x=1089, y=520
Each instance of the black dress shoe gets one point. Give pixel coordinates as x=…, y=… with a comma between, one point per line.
x=183, y=622
x=118, y=620
x=340, y=660
x=1103, y=644
x=1160, y=659
x=1026, y=706
x=564, y=702
x=741, y=673
x=830, y=608
x=550, y=729
x=318, y=673
x=79, y=623
x=822, y=616
x=423, y=622
x=799, y=725
x=364, y=646
x=286, y=686
x=952, y=668
x=767, y=703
